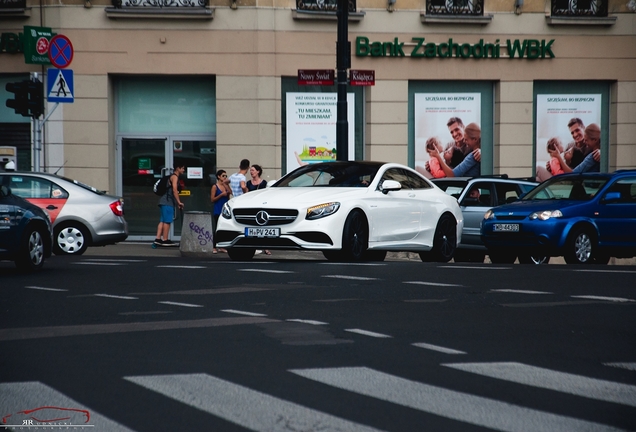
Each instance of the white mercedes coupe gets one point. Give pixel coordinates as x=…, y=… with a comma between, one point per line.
x=351, y=211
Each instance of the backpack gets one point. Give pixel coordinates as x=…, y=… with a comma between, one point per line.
x=161, y=186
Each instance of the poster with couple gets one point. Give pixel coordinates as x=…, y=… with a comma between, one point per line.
x=557, y=128
x=432, y=114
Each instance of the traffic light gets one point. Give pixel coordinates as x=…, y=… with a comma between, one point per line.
x=20, y=103
x=29, y=98
x=35, y=93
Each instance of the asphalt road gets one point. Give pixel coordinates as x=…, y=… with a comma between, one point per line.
x=131, y=338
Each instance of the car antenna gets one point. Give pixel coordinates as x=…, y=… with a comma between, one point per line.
x=62, y=166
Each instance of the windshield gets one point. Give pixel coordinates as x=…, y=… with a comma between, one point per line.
x=331, y=174
x=453, y=188
x=571, y=188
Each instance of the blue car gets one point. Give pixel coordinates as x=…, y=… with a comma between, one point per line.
x=586, y=218
x=25, y=232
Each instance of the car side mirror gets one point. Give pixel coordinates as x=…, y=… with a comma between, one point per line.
x=390, y=185
x=5, y=191
x=611, y=197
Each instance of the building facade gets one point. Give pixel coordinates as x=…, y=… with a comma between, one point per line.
x=211, y=83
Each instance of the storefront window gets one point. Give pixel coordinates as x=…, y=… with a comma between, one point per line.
x=174, y=104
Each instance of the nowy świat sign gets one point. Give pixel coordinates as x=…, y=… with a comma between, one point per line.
x=419, y=48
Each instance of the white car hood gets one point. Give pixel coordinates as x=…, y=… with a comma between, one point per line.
x=293, y=197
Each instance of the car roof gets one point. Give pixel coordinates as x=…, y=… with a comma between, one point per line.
x=52, y=176
x=494, y=178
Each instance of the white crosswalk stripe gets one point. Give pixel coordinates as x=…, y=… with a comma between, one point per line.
x=548, y=379
x=25, y=396
x=454, y=405
x=240, y=405
x=258, y=411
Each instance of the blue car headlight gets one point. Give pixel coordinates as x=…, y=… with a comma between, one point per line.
x=227, y=211
x=546, y=214
x=322, y=210
x=489, y=215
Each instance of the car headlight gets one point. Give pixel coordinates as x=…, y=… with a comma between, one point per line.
x=322, y=210
x=546, y=214
x=227, y=211
x=489, y=215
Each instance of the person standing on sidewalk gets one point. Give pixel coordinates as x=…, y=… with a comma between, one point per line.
x=219, y=195
x=237, y=180
x=257, y=183
x=168, y=204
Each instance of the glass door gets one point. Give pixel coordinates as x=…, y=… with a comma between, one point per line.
x=143, y=161
x=199, y=157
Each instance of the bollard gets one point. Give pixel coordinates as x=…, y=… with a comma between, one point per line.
x=196, y=234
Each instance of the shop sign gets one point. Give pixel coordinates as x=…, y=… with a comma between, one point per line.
x=195, y=173
x=11, y=43
x=517, y=48
x=36, y=45
x=361, y=77
x=316, y=77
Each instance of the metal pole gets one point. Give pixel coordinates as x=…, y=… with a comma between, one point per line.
x=37, y=140
x=343, y=62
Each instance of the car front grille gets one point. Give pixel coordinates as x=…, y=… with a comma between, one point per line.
x=252, y=216
x=506, y=218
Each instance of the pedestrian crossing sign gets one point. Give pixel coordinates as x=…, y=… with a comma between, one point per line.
x=60, y=86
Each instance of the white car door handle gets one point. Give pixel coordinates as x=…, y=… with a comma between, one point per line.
x=412, y=195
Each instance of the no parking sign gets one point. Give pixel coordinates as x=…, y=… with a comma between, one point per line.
x=60, y=51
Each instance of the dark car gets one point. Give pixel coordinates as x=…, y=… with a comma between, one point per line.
x=25, y=232
x=477, y=195
x=586, y=218
x=81, y=215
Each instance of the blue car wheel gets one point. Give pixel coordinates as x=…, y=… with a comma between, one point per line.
x=579, y=247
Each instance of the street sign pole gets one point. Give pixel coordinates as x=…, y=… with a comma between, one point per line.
x=343, y=62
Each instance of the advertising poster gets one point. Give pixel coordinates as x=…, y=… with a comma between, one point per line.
x=433, y=111
x=311, y=128
x=561, y=123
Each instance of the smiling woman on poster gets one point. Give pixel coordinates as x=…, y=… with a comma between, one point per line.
x=444, y=115
x=471, y=165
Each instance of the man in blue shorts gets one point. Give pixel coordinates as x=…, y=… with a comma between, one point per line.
x=168, y=203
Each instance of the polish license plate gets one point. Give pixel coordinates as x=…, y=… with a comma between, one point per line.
x=262, y=232
x=506, y=227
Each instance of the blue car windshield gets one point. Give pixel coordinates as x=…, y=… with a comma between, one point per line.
x=571, y=188
x=331, y=174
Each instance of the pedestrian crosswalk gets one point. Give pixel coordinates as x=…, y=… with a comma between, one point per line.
x=256, y=410
x=249, y=408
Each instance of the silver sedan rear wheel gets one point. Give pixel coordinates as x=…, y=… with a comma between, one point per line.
x=70, y=239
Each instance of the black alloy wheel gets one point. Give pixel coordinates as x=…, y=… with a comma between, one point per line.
x=355, y=237
x=444, y=241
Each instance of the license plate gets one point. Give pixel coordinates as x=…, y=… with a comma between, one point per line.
x=506, y=227
x=262, y=232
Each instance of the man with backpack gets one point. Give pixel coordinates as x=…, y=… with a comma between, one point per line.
x=168, y=203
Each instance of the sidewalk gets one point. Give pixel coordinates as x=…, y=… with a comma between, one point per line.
x=140, y=249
